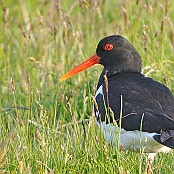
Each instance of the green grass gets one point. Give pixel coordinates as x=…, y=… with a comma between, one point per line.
x=39, y=42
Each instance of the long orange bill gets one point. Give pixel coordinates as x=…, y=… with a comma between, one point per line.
x=89, y=62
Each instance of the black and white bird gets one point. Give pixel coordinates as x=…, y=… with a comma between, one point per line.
x=130, y=107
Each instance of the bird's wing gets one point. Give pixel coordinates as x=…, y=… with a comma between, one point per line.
x=144, y=105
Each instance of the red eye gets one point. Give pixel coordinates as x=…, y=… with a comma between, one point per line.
x=108, y=46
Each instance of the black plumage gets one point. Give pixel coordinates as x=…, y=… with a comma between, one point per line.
x=141, y=106
x=144, y=103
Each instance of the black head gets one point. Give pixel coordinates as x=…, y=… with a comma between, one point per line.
x=118, y=55
x=115, y=53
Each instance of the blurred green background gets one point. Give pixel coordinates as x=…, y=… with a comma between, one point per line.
x=46, y=125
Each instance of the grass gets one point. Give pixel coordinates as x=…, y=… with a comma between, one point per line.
x=39, y=42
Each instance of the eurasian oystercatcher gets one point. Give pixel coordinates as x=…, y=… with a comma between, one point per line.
x=130, y=107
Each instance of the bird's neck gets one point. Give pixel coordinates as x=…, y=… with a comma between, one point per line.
x=108, y=72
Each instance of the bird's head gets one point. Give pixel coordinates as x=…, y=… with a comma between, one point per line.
x=115, y=53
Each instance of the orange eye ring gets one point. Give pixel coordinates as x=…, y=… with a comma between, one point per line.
x=108, y=46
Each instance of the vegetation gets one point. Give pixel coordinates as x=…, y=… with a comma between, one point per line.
x=46, y=126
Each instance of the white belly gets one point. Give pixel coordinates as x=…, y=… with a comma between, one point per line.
x=131, y=140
